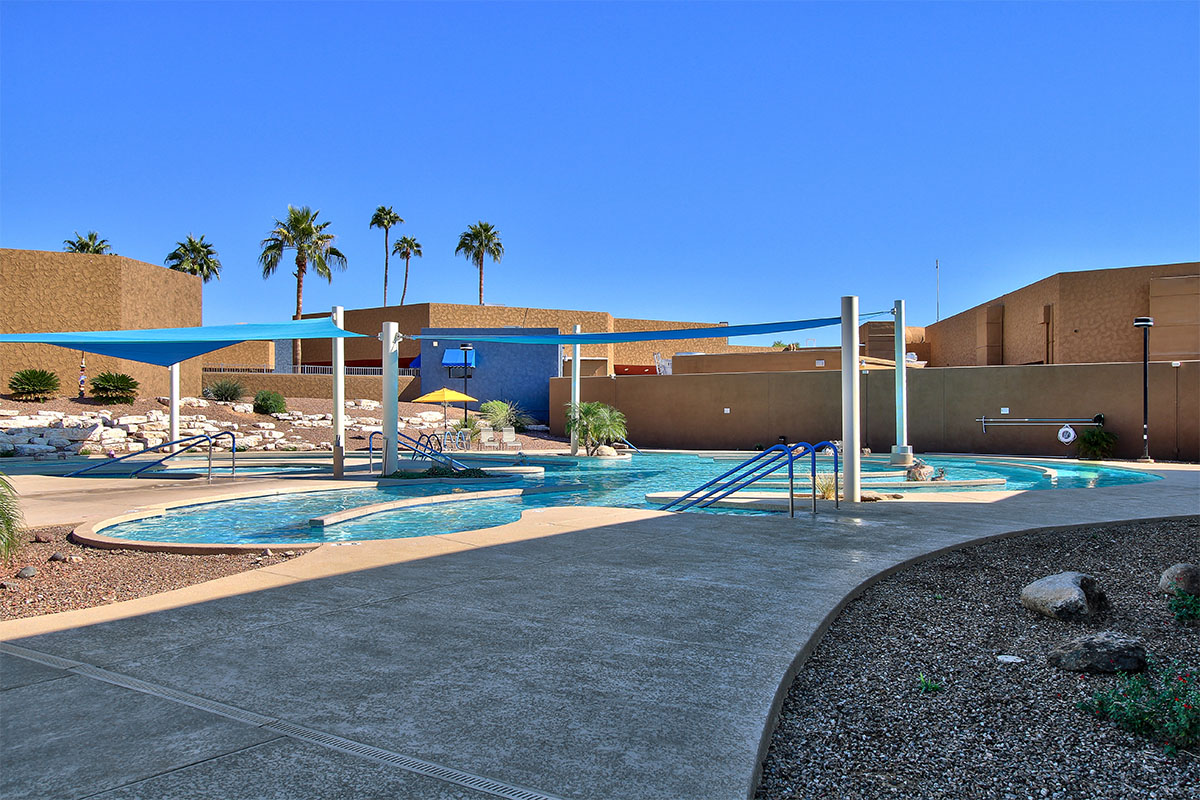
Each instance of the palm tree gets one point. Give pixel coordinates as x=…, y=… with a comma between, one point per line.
x=10, y=520
x=301, y=232
x=406, y=247
x=477, y=241
x=195, y=257
x=384, y=217
x=91, y=244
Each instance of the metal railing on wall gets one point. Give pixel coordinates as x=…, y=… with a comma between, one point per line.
x=303, y=369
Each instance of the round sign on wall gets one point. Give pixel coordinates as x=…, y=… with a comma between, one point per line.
x=1066, y=434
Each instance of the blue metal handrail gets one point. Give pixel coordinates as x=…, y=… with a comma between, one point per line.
x=629, y=445
x=211, y=441
x=416, y=446
x=194, y=441
x=755, y=469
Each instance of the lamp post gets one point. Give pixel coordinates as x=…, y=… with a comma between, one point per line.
x=466, y=351
x=1145, y=323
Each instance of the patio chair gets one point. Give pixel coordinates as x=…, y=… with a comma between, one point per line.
x=509, y=437
x=487, y=438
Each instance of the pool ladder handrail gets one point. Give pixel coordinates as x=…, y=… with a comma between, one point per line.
x=195, y=441
x=629, y=445
x=755, y=469
x=413, y=444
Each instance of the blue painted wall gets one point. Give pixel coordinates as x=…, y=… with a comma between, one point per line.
x=517, y=372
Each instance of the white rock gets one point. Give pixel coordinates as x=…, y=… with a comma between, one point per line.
x=8, y=412
x=243, y=408
x=33, y=449
x=133, y=419
x=266, y=426
x=1010, y=659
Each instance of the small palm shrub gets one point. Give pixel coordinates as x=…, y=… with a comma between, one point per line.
x=470, y=425
x=227, y=390
x=595, y=424
x=269, y=402
x=114, y=387
x=33, y=385
x=1097, y=443
x=10, y=520
x=505, y=414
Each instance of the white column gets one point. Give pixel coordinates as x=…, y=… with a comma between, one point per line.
x=339, y=396
x=173, y=405
x=902, y=453
x=391, y=394
x=575, y=391
x=851, y=445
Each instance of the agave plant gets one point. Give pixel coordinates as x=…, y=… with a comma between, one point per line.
x=33, y=385
x=505, y=414
x=227, y=390
x=10, y=520
x=595, y=424
x=115, y=387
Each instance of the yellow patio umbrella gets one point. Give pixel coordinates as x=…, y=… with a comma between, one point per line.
x=445, y=397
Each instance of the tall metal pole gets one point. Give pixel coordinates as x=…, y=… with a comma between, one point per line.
x=173, y=404
x=389, y=339
x=575, y=391
x=339, y=396
x=850, y=399
x=937, y=271
x=902, y=453
x=1145, y=394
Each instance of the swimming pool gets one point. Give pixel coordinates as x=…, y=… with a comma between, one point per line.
x=277, y=521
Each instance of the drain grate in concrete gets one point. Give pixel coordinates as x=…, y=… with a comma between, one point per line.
x=409, y=763
x=45, y=659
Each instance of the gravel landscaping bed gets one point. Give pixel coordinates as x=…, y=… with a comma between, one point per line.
x=855, y=723
x=101, y=577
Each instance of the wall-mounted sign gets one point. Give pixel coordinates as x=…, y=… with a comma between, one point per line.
x=1066, y=434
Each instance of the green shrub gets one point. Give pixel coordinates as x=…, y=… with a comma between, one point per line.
x=595, y=424
x=10, y=520
x=114, y=387
x=505, y=414
x=1185, y=607
x=33, y=385
x=470, y=425
x=1162, y=704
x=226, y=389
x=268, y=402
x=1097, y=443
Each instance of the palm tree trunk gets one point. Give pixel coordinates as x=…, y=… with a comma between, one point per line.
x=385, y=264
x=404, y=291
x=301, y=267
x=480, y=262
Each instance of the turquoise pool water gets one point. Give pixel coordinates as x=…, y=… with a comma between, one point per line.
x=280, y=520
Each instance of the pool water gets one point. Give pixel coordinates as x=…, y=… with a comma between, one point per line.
x=279, y=520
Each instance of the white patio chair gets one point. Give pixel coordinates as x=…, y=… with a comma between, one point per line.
x=487, y=438
x=509, y=437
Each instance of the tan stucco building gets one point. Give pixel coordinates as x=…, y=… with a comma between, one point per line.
x=42, y=291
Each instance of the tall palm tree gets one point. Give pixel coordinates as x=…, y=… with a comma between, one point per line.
x=406, y=247
x=478, y=241
x=195, y=257
x=301, y=232
x=91, y=244
x=384, y=217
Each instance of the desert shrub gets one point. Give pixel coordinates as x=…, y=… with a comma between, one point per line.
x=36, y=385
x=226, y=389
x=268, y=402
x=505, y=414
x=442, y=472
x=10, y=520
x=1096, y=443
x=470, y=425
x=114, y=387
x=1162, y=704
x=827, y=485
x=1185, y=607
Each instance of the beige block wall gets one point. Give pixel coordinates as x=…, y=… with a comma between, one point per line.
x=43, y=291
x=770, y=361
x=244, y=354
x=369, y=387
x=944, y=403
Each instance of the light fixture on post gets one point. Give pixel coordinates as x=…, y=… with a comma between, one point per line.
x=466, y=368
x=1145, y=323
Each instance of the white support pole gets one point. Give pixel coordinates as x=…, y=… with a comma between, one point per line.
x=389, y=339
x=339, y=397
x=173, y=404
x=851, y=445
x=575, y=391
x=902, y=453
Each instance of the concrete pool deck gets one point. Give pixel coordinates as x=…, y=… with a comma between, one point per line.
x=578, y=653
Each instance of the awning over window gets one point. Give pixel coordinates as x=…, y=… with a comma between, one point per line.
x=166, y=346
x=454, y=358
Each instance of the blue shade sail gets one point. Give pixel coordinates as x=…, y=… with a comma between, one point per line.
x=167, y=346
x=720, y=332
x=454, y=358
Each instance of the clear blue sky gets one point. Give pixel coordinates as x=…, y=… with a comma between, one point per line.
x=740, y=162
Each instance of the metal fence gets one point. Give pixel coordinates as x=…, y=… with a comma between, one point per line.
x=303, y=369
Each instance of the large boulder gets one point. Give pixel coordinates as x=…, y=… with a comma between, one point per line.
x=1106, y=651
x=604, y=451
x=1067, y=596
x=1183, y=576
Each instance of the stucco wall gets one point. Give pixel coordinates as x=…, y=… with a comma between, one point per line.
x=1090, y=320
x=944, y=404
x=769, y=361
x=43, y=291
x=368, y=387
x=245, y=354
x=514, y=372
